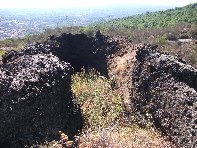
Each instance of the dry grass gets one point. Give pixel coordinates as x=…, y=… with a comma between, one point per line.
x=102, y=108
x=99, y=103
x=105, y=127
x=123, y=137
x=114, y=137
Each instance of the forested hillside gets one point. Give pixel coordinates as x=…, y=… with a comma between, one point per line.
x=160, y=19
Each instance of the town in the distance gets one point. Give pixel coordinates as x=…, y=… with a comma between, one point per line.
x=15, y=23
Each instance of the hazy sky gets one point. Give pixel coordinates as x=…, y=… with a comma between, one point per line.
x=85, y=3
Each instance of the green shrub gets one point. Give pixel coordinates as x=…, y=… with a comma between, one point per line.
x=2, y=52
x=161, y=40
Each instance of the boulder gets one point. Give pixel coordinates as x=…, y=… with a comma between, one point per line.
x=164, y=93
x=35, y=99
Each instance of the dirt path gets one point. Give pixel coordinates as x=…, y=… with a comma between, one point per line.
x=120, y=67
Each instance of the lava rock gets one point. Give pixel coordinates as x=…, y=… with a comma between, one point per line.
x=79, y=50
x=35, y=99
x=164, y=93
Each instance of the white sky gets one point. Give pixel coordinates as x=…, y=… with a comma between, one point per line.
x=85, y=3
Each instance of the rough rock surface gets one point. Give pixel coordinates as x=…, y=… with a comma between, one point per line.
x=162, y=89
x=111, y=56
x=79, y=50
x=35, y=99
x=164, y=92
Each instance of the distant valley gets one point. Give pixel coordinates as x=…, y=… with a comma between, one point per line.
x=16, y=23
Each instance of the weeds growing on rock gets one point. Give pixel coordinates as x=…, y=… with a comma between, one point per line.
x=102, y=109
x=99, y=102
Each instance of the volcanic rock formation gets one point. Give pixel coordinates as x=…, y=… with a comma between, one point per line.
x=35, y=99
x=111, y=56
x=164, y=92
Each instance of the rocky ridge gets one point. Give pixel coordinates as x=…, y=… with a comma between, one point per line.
x=164, y=93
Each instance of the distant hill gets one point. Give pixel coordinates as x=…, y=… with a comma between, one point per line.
x=160, y=19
